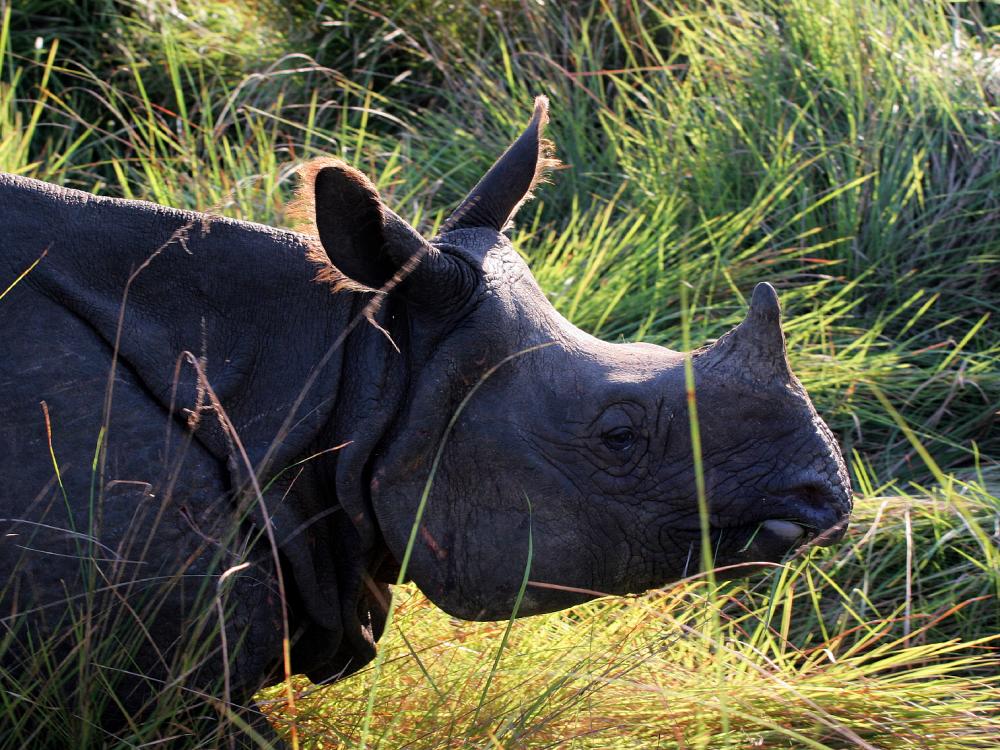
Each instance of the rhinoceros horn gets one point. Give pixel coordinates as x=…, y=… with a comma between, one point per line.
x=755, y=349
x=508, y=183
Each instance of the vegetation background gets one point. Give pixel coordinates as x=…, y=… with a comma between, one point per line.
x=845, y=150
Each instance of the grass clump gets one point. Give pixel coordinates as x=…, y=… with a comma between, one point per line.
x=845, y=151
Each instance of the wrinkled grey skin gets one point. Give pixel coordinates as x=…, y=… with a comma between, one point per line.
x=581, y=443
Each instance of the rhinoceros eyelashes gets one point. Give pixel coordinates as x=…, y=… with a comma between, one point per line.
x=755, y=349
x=616, y=436
x=509, y=182
x=619, y=439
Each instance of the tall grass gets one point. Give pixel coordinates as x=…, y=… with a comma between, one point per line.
x=846, y=151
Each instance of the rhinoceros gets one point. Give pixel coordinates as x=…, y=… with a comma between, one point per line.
x=217, y=436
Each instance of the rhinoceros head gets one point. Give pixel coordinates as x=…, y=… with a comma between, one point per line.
x=524, y=444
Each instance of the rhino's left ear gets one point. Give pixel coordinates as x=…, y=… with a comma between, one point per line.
x=367, y=242
x=509, y=182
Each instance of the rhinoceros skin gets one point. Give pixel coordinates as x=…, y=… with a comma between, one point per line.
x=209, y=421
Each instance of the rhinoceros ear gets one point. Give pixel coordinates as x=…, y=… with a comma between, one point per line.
x=509, y=182
x=368, y=243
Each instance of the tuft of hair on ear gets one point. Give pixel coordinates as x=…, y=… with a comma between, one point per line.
x=470, y=213
x=547, y=161
x=301, y=213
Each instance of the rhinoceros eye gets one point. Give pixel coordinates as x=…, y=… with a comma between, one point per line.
x=619, y=439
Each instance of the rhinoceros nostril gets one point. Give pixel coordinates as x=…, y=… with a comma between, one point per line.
x=813, y=494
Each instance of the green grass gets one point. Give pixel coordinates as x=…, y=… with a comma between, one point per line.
x=846, y=151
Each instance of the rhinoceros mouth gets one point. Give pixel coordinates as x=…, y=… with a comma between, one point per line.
x=787, y=524
x=772, y=539
x=788, y=531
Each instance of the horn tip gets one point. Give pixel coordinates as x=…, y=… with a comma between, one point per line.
x=764, y=301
